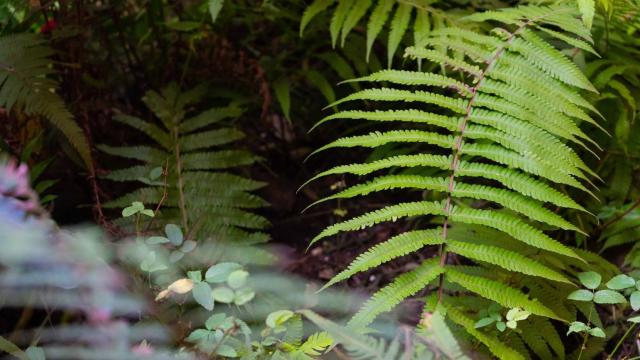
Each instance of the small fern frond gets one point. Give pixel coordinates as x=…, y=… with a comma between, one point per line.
x=192, y=150
x=26, y=84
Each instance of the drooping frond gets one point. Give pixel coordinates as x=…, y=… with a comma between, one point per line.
x=194, y=185
x=492, y=141
x=398, y=16
x=26, y=84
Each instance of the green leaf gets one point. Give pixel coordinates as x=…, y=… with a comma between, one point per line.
x=223, y=294
x=581, y=295
x=35, y=353
x=226, y=351
x=198, y=335
x=135, y=208
x=196, y=276
x=484, y=322
x=597, y=332
x=620, y=282
x=243, y=296
x=316, y=7
x=501, y=326
x=588, y=10
x=203, y=296
x=634, y=299
x=517, y=314
x=635, y=319
x=215, y=320
x=147, y=212
x=577, y=327
x=214, y=9
x=399, y=25
x=219, y=272
x=155, y=240
x=283, y=94
x=590, y=279
x=174, y=233
x=278, y=318
x=175, y=256
x=188, y=246
x=608, y=297
x=237, y=279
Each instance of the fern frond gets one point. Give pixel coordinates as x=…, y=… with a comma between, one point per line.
x=496, y=128
x=26, y=84
x=191, y=151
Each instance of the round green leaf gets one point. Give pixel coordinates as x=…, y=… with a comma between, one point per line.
x=155, y=173
x=243, y=296
x=483, y=322
x=35, y=353
x=590, y=279
x=128, y=211
x=174, y=234
x=223, y=294
x=597, y=332
x=175, y=256
x=620, y=282
x=577, y=327
x=237, y=279
x=609, y=297
x=220, y=272
x=147, y=212
x=154, y=240
x=278, y=318
x=188, y=246
x=202, y=293
x=581, y=295
x=226, y=351
x=501, y=326
x=196, y=275
x=635, y=300
x=635, y=319
x=215, y=320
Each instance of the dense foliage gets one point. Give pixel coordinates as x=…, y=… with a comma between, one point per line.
x=245, y=170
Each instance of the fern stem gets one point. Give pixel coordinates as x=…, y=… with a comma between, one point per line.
x=457, y=149
x=181, y=198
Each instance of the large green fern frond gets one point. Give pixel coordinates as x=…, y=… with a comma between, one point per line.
x=26, y=84
x=492, y=140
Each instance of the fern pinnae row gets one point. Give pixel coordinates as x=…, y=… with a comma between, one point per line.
x=409, y=115
x=392, y=212
x=437, y=161
x=392, y=248
x=509, y=260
